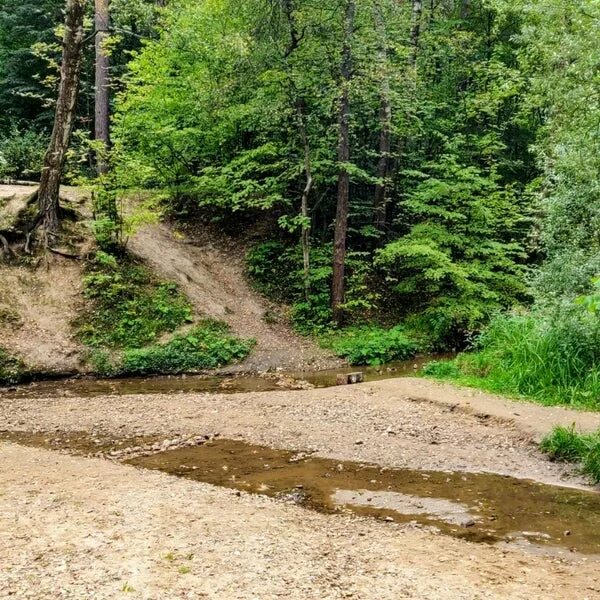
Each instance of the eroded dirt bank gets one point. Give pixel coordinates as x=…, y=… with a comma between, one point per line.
x=211, y=273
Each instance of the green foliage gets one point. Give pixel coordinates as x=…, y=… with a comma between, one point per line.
x=552, y=359
x=371, y=345
x=208, y=345
x=12, y=369
x=22, y=154
x=277, y=271
x=566, y=444
x=454, y=266
x=128, y=306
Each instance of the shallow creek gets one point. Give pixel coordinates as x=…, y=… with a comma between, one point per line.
x=173, y=384
x=479, y=507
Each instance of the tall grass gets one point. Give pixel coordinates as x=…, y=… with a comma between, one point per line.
x=552, y=359
x=566, y=445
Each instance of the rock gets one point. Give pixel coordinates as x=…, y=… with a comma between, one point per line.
x=349, y=378
x=466, y=522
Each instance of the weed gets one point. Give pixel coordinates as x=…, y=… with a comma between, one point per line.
x=184, y=570
x=551, y=359
x=565, y=444
x=12, y=369
x=127, y=588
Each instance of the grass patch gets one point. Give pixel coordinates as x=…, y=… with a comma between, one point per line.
x=564, y=444
x=128, y=307
x=12, y=369
x=208, y=345
x=552, y=360
x=371, y=345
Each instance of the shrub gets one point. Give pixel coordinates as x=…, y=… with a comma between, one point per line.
x=371, y=345
x=128, y=306
x=207, y=346
x=12, y=369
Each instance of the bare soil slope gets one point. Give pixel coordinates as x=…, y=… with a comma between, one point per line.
x=212, y=275
x=39, y=303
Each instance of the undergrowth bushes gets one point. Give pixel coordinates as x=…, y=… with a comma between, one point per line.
x=567, y=445
x=207, y=346
x=371, y=345
x=129, y=307
x=12, y=369
x=129, y=310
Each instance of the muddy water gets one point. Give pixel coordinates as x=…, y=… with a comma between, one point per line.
x=479, y=507
x=90, y=387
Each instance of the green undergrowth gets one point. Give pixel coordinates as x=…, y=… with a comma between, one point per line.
x=127, y=306
x=551, y=360
x=371, y=345
x=565, y=444
x=130, y=312
x=12, y=369
x=208, y=345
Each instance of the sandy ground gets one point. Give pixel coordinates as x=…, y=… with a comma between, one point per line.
x=83, y=528
x=212, y=276
x=88, y=529
x=39, y=303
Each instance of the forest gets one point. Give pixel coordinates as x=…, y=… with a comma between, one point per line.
x=411, y=176
x=300, y=299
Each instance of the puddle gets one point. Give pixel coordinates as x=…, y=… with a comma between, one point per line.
x=484, y=508
x=174, y=384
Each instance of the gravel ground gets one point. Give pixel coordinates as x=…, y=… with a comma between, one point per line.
x=377, y=422
x=86, y=528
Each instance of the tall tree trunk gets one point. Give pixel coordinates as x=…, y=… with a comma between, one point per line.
x=415, y=31
x=295, y=39
x=102, y=99
x=54, y=160
x=306, y=225
x=385, y=126
x=341, y=219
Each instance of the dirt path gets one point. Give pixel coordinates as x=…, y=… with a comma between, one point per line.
x=212, y=276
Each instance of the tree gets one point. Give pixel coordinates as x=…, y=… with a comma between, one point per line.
x=343, y=194
x=64, y=118
x=385, y=124
x=102, y=82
